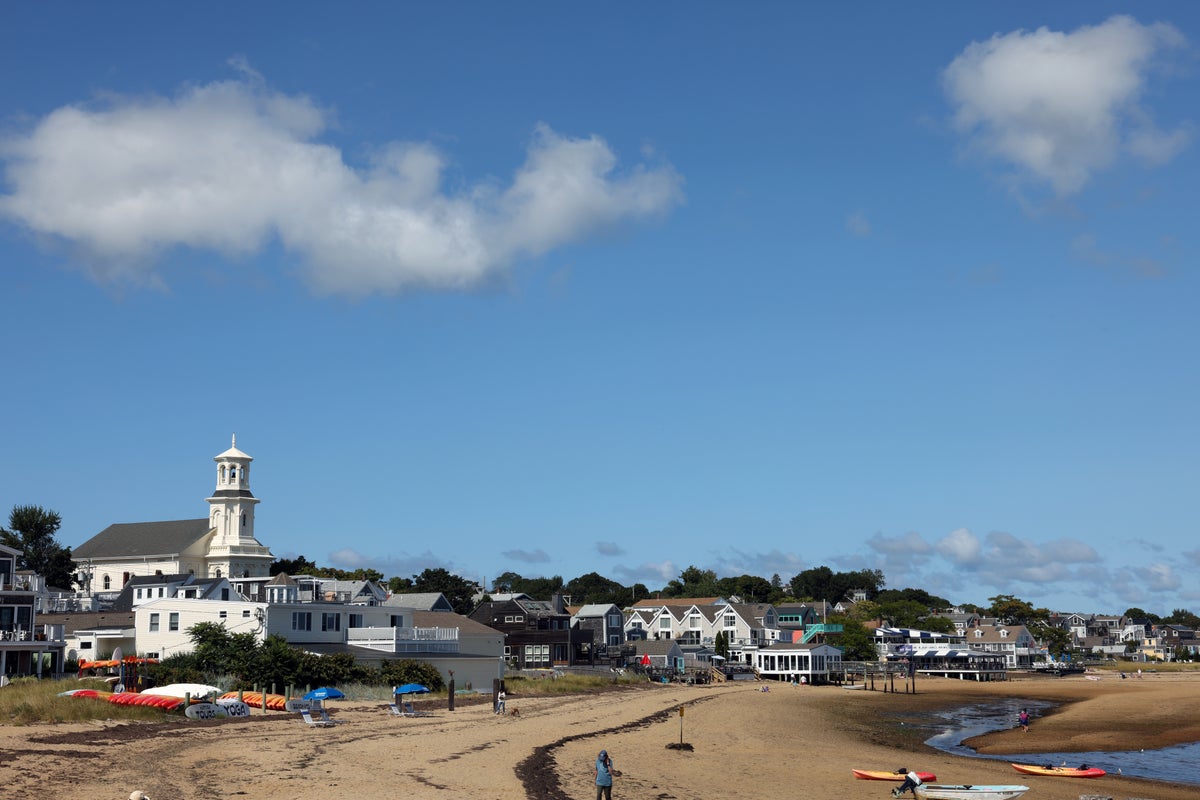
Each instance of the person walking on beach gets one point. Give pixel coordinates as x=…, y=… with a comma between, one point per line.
x=604, y=775
x=911, y=781
x=1023, y=720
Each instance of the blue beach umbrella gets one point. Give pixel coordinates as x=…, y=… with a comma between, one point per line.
x=324, y=693
x=412, y=688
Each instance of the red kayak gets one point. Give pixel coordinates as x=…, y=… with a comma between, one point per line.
x=1062, y=772
x=874, y=775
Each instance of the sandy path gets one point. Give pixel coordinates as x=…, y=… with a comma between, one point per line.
x=793, y=742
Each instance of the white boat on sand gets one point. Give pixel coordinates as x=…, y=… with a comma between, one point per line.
x=966, y=791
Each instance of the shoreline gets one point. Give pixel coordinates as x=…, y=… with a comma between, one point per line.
x=802, y=740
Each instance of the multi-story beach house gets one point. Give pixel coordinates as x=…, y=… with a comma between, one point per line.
x=602, y=629
x=27, y=647
x=538, y=634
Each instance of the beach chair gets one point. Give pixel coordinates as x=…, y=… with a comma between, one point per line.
x=409, y=711
x=394, y=710
x=314, y=722
x=323, y=716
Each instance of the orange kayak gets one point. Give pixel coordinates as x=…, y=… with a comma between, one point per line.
x=1061, y=772
x=874, y=775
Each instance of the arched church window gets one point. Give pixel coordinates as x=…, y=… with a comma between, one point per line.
x=222, y=473
x=243, y=519
x=218, y=572
x=107, y=583
x=232, y=474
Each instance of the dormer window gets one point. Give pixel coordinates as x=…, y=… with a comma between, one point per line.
x=978, y=633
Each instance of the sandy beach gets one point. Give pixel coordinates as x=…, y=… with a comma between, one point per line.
x=794, y=741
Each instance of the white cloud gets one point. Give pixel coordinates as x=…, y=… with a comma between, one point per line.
x=654, y=575
x=1060, y=106
x=960, y=547
x=609, y=549
x=231, y=166
x=402, y=566
x=773, y=562
x=858, y=225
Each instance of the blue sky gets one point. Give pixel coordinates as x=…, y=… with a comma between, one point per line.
x=556, y=289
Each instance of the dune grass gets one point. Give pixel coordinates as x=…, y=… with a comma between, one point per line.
x=568, y=683
x=29, y=700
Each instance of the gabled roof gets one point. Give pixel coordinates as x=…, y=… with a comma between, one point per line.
x=654, y=647
x=136, y=539
x=594, y=610
x=678, y=601
x=421, y=601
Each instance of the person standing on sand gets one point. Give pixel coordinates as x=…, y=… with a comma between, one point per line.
x=1023, y=720
x=604, y=775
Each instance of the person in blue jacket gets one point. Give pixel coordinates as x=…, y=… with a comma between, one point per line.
x=604, y=775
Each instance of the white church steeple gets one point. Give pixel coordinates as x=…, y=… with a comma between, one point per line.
x=231, y=507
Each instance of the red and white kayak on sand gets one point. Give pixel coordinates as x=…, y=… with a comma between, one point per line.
x=1060, y=772
x=876, y=775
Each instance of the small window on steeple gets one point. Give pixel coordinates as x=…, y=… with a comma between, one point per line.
x=243, y=519
x=222, y=473
x=232, y=474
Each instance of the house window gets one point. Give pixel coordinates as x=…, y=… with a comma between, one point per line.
x=85, y=645
x=139, y=594
x=507, y=651
x=245, y=613
x=695, y=620
x=301, y=620
x=331, y=621
x=729, y=621
x=614, y=620
x=153, y=623
x=173, y=621
x=519, y=618
x=223, y=615
x=356, y=620
x=665, y=623
x=160, y=591
x=107, y=583
x=508, y=618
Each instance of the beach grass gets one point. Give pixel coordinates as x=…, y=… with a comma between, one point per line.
x=28, y=700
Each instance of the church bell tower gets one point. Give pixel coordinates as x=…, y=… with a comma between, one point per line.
x=233, y=550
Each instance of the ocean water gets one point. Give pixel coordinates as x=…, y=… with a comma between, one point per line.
x=1176, y=764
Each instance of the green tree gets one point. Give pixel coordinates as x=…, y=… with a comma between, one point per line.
x=855, y=641
x=750, y=588
x=458, y=590
x=1013, y=611
x=693, y=582
x=1056, y=640
x=1181, y=616
x=32, y=530
x=595, y=588
x=721, y=644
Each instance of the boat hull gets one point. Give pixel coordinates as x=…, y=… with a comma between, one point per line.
x=876, y=775
x=935, y=791
x=1059, y=772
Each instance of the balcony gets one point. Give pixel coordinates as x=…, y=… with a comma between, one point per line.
x=405, y=640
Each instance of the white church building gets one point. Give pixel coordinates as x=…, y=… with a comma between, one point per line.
x=222, y=545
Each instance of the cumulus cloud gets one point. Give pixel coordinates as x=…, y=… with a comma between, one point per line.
x=232, y=166
x=764, y=564
x=538, y=556
x=960, y=547
x=609, y=549
x=1061, y=106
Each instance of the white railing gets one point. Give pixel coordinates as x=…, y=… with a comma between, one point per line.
x=405, y=640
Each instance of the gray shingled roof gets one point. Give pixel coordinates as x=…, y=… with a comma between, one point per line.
x=143, y=539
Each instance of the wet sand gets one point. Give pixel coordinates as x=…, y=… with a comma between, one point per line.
x=794, y=741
